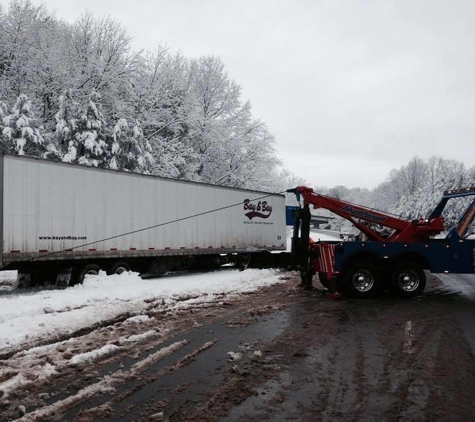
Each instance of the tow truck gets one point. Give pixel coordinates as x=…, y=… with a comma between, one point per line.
x=394, y=253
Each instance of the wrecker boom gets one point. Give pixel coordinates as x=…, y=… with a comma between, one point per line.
x=402, y=230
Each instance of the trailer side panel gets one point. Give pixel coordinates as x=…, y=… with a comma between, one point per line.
x=50, y=207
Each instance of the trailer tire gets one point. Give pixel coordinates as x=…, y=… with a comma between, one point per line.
x=323, y=277
x=362, y=280
x=118, y=267
x=408, y=279
x=80, y=273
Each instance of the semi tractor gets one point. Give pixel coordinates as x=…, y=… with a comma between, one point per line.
x=394, y=253
x=60, y=222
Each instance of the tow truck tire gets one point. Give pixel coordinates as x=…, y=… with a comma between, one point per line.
x=362, y=280
x=408, y=279
x=322, y=276
x=118, y=267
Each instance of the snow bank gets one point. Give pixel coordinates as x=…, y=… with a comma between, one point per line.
x=29, y=317
x=8, y=280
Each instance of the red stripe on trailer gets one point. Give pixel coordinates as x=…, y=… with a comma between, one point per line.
x=151, y=249
x=69, y=250
x=15, y=251
x=113, y=249
x=133, y=249
x=43, y=250
x=92, y=250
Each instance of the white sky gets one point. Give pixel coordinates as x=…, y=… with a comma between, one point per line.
x=351, y=89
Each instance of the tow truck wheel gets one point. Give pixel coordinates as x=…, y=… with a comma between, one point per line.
x=408, y=279
x=362, y=279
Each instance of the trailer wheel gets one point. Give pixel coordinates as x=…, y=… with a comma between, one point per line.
x=118, y=267
x=363, y=279
x=408, y=279
x=323, y=277
x=80, y=273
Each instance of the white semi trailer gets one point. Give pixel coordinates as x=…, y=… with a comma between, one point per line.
x=60, y=221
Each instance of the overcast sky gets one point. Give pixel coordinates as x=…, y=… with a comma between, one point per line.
x=351, y=89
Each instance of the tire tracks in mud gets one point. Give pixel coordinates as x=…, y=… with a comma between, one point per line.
x=48, y=399
x=381, y=359
x=317, y=359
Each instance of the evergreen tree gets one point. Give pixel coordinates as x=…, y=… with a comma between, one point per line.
x=119, y=138
x=87, y=141
x=66, y=126
x=20, y=133
x=130, y=150
x=3, y=113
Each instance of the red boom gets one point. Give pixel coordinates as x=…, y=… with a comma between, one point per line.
x=403, y=231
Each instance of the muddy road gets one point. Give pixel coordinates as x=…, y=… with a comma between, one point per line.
x=282, y=353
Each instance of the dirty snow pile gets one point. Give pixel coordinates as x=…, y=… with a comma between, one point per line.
x=27, y=317
x=8, y=280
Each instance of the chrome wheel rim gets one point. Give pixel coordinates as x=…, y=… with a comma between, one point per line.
x=408, y=280
x=363, y=280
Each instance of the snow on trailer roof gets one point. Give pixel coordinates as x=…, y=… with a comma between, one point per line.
x=61, y=163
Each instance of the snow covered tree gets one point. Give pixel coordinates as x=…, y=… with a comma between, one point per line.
x=216, y=99
x=415, y=189
x=63, y=147
x=101, y=59
x=173, y=158
x=162, y=103
x=23, y=29
x=87, y=136
x=191, y=113
x=233, y=148
x=3, y=113
x=130, y=150
x=20, y=133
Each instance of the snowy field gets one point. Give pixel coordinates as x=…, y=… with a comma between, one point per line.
x=27, y=318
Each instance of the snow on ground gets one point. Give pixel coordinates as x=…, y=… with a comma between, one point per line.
x=8, y=280
x=93, y=355
x=26, y=318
